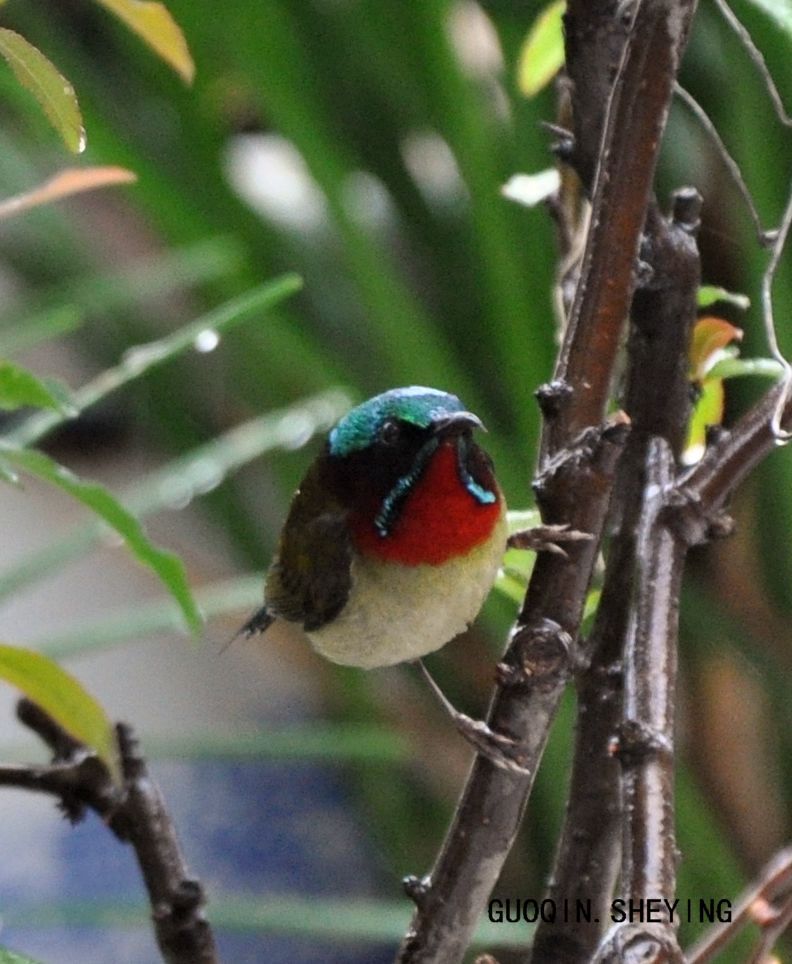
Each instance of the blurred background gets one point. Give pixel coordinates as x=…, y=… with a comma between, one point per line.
x=363, y=145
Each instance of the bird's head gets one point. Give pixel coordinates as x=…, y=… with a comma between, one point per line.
x=417, y=486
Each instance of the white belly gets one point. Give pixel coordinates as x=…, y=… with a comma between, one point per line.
x=397, y=613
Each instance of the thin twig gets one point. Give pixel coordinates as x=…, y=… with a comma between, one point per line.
x=781, y=434
x=136, y=814
x=729, y=162
x=728, y=461
x=771, y=932
x=773, y=883
x=757, y=57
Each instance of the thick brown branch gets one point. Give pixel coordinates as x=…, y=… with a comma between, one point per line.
x=573, y=488
x=635, y=121
x=646, y=737
x=658, y=403
x=536, y=667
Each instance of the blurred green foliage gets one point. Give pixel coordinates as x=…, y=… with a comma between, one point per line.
x=384, y=132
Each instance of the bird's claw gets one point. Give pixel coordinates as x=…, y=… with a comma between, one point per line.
x=546, y=538
x=498, y=749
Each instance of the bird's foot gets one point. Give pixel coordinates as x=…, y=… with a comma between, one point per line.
x=547, y=538
x=500, y=750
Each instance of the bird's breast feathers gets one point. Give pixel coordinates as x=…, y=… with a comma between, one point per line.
x=399, y=611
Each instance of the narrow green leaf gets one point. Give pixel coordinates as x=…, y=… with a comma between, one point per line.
x=740, y=367
x=517, y=563
x=708, y=411
x=542, y=53
x=778, y=10
x=40, y=327
x=519, y=519
x=11, y=957
x=338, y=744
x=60, y=695
x=232, y=598
x=53, y=92
x=19, y=387
x=140, y=359
x=191, y=475
x=156, y=27
x=710, y=294
x=167, y=566
x=8, y=476
x=325, y=918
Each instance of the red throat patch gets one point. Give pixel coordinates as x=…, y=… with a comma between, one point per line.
x=439, y=520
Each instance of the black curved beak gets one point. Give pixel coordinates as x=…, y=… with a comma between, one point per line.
x=454, y=423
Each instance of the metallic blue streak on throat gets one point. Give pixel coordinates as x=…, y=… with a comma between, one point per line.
x=479, y=493
x=391, y=504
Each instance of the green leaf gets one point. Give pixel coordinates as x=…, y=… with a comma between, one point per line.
x=11, y=957
x=156, y=27
x=40, y=327
x=230, y=598
x=517, y=564
x=710, y=294
x=708, y=411
x=542, y=52
x=140, y=359
x=778, y=10
x=325, y=918
x=60, y=695
x=53, y=92
x=519, y=519
x=740, y=367
x=185, y=478
x=19, y=387
x=167, y=566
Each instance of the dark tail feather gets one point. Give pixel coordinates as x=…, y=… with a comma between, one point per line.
x=259, y=622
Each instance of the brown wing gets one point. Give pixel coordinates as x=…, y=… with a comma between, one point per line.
x=309, y=579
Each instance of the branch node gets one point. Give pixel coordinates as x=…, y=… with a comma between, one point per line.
x=187, y=896
x=640, y=944
x=636, y=742
x=691, y=520
x=644, y=273
x=543, y=650
x=417, y=888
x=594, y=452
x=132, y=761
x=62, y=744
x=686, y=205
x=552, y=396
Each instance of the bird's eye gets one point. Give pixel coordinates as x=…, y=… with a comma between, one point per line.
x=390, y=432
